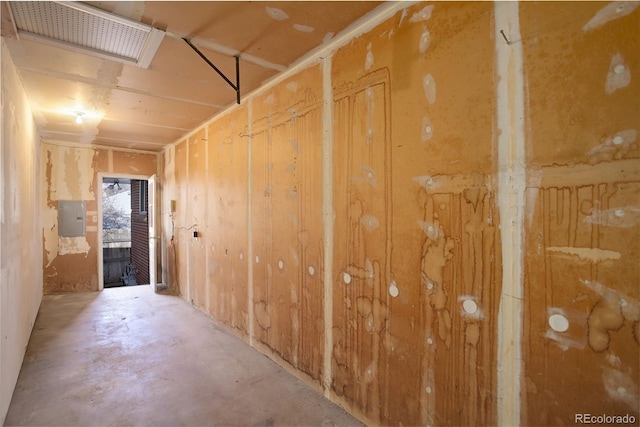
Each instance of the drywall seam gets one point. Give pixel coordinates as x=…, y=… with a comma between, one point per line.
x=205, y=223
x=109, y=168
x=511, y=189
x=327, y=220
x=249, y=219
x=60, y=143
x=187, y=287
x=359, y=27
x=75, y=78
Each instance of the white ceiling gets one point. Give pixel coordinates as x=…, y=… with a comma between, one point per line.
x=124, y=105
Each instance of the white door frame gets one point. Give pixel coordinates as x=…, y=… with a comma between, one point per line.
x=101, y=176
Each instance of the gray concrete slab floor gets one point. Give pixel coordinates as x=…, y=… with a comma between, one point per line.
x=131, y=357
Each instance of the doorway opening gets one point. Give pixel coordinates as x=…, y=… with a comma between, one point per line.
x=125, y=232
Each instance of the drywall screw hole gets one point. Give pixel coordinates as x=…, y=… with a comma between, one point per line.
x=617, y=140
x=619, y=213
x=346, y=277
x=311, y=271
x=619, y=69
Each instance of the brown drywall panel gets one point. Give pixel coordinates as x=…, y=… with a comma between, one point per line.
x=286, y=220
x=576, y=92
x=181, y=235
x=582, y=282
x=227, y=233
x=197, y=218
x=135, y=163
x=258, y=28
x=415, y=233
x=129, y=106
x=126, y=135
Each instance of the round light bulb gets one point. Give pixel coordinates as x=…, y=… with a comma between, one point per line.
x=79, y=120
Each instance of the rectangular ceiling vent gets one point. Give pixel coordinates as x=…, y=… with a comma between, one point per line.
x=86, y=29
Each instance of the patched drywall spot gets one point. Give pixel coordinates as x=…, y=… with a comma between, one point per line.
x=277, y=14
x=369, y=222
x=429, y=86
x=558, y=322
x=292, y=86
x=429, y=183
x=393, y=289
x=623, y=216
x=609, y=314
x=367, y=175
x=269, y=99
x=370, y=114
x=75, y=178
x=73, y=245
x=423, y=15
x=426, y=132
x=594, y=255
x=621, y=387
x=425, y=41
x=614, y=147
x=619, y=75
x=432, y=231
x=368, y=63
x=303, y=28
x=328, y=37
x=469, y=307
x=613, y=10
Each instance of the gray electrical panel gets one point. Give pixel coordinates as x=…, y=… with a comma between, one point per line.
x=72, y=216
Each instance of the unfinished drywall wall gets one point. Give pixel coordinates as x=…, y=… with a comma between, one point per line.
x=415, y=232
x=226, y=232
x=582, y=287
x=20, y=248
x=401, y=225
x=286, y=220
x=70, y=172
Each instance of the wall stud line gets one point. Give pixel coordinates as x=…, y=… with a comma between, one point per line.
x=511, y=187
x=205, y=224
x=186, y=238
x=249, y=220
x=327, y=220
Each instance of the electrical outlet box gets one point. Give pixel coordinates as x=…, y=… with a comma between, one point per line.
x=72, y=218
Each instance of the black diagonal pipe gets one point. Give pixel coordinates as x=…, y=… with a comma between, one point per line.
x=236, y=86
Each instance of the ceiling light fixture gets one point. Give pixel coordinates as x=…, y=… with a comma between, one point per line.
x=79, y=119
x=86, y=29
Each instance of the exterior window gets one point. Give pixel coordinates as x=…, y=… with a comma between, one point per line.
x=143, y=197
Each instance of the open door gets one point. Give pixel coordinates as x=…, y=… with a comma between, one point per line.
x=153, y=238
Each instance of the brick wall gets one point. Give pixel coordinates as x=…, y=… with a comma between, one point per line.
x=139, y=233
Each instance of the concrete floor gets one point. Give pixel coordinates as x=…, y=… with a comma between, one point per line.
x=128, y=356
